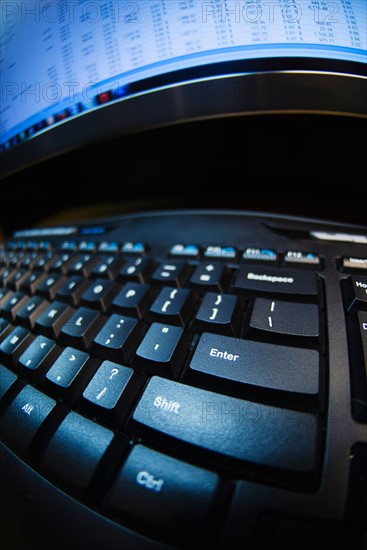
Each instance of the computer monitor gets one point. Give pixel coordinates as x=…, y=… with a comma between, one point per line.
x=75, y=73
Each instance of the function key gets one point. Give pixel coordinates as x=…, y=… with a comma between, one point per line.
x=108, y=247
x=226, y=253
x=303, y=259
x=134, y=248
x=260, y=255
x=185, y=251
x=354, y=264
x=69, y=246
x=87, y=246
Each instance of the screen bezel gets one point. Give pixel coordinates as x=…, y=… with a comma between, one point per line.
x=227, y=89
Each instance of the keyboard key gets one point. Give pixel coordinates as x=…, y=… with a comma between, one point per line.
x=218, y=313
x=7, y=379
x=275, y=280
x=261, y=255
x=71, y=292
x=134, y=248
x=118, y=338
x=303, y=259
x=100, y=294
x=81, y=327
x=107, y=267
x=10, y=308
x=5, y=328
x=164, y=492
x=288, y=318
x=355, y=292
x=51, y=321
x=111, y=392
x=5, y=275
x=260, y=364
x=24, y=417
x=174, y=306
x=133, y=300
x=39, y=355
x=65, y=372
x=171, y=273
x=32, y=282
x=14, y=344
x=82, y=264
x=50, y=285
x=30, y=311
x=17, y=279
x=138, y=270
x=62, y=263
x=239, y=429
x=162, y=350
x=226, y=253
x=185, y=251
x=209, y=276
x=4, y=296
x=350, y=263
x=75, y=450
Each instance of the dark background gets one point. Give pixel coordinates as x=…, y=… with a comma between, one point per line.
x=304, y=165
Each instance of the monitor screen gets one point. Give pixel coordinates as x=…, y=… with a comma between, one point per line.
x=61, y=61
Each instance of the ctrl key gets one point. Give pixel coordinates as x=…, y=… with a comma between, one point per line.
x=163, y=492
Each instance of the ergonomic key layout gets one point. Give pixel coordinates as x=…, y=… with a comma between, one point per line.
x=165, y=377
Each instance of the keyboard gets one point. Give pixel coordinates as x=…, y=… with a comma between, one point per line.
x=175, y=376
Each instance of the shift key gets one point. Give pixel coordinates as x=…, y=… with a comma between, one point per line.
x=239, y=429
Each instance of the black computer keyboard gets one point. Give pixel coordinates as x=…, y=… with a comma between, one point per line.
x=173, y=377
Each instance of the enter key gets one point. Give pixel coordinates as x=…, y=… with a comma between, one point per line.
x=260, y=364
